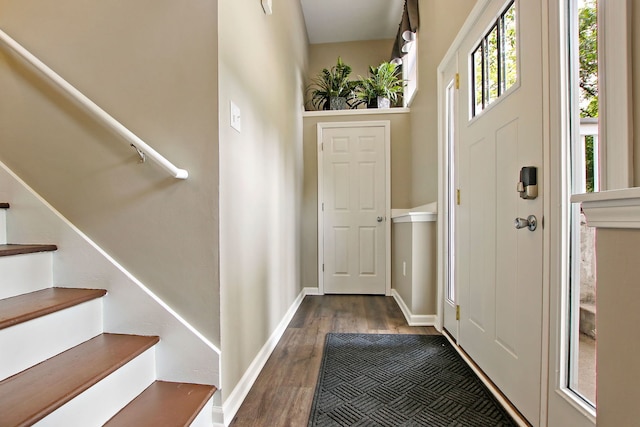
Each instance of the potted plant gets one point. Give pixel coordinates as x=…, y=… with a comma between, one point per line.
x=332, y=89
x=382, y=87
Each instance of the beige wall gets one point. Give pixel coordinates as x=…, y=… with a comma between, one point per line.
x=262, y=70
x=400, y=180
x=153, y=65
x=440, y=22
x=414, y=243
x=617, y=322
x=425, y=289
x=619, y=295
x=358, y=54
x=402, y=252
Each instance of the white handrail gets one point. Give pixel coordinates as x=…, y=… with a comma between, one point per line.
x=98, y=112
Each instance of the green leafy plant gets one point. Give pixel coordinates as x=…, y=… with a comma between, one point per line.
x=588, y=49
x=332, y=83
x=383, y=81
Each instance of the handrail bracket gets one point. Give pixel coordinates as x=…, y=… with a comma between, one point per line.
x=141, y=155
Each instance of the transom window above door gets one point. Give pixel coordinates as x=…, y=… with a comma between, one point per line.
x=494, y=62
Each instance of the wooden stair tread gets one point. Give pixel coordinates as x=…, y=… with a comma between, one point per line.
x=12, y=249
x=34, y=393
x=164, y=404
x=21, y=308
x=4, y=205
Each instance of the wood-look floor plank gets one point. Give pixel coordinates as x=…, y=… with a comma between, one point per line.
x=283, y=393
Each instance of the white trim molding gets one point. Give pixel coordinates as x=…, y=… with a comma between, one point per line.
x=225, y=414
x=415, y=217
x=414, y=319
x=611, y=209
x=616, y=103
x=356, y=112
x=320, y=127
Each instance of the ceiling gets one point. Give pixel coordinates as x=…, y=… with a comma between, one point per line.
x=332, y=21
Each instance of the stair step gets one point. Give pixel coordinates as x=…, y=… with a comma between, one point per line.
x=13, y=249
x=29, y=396
x=164, y=404
x=30, y=306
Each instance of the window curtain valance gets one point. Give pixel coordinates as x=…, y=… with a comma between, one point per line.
x=410, y=22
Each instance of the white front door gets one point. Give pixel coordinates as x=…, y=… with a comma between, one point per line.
x=499, y=267
x=353, y=204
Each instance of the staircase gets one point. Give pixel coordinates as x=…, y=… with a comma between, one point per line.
x=59, y=368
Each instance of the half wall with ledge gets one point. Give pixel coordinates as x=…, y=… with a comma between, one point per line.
x=414, y=263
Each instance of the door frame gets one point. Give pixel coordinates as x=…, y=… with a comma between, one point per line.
x=444, y=213
x=321, y=126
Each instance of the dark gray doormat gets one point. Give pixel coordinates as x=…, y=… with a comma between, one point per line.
x=400, y=380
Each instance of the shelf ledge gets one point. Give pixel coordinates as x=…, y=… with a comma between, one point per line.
x=355, y=112
x=611, y=209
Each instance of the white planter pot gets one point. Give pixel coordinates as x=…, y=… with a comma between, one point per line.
x=384, y=102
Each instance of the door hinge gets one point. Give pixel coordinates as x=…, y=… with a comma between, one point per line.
x=322, y=146
x=458, y=196
x=322, y=206
x=457, y=312
x=457, y=81
x=322, y=267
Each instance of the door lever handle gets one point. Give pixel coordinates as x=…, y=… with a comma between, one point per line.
x=531, y=222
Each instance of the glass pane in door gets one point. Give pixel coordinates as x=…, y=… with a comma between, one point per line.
x=452, y=193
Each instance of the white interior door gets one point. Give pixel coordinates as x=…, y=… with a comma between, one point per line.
x=354, y=207
x=500, y=267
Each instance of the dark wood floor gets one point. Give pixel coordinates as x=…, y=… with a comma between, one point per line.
x=283, y=393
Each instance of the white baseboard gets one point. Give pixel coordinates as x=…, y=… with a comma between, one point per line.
x=217, y=416
x=414, y=319
x=224, y=416
x=311, y=290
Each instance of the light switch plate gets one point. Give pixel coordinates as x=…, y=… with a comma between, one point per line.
x=236, y=123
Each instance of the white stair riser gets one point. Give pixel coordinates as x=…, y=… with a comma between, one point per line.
x=205, y=417
x=98, y=404
x=3, y=226
x=21, y=274
x=40, y=339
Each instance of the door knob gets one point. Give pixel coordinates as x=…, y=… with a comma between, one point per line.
x=379, y=218
x=531, y=222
